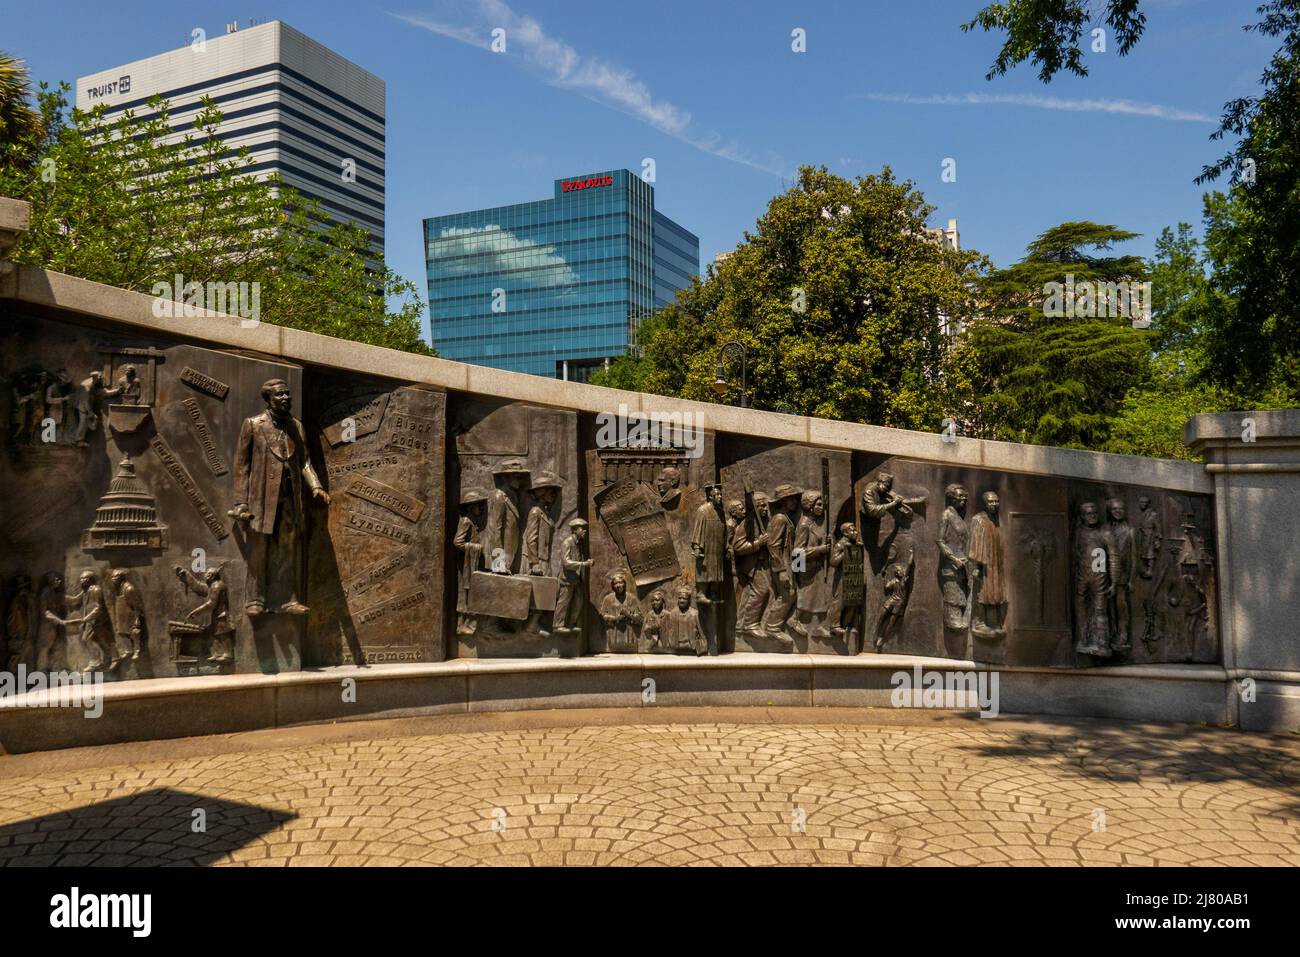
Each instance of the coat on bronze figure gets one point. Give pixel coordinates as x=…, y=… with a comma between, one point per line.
x=1150, y=536
x=1126, y=568
x=954, y=562
x=747, y=549
x=848, y=586
x=539, y=532
x=51, y=629
x=469, y=542
x=812, y=579
x=652, y=629
x=501, y=536
x=273, y=476
x=709, y=546
x=780, y=545
x=571, y=602
x=95, y=621
x=987, y=555
x=621, y=613
x=681, y=632
x=1095, y=570
x=128, y=620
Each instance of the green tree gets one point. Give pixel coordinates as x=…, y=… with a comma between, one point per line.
x=1253, y=232
x=1150, y=420
x=1051, y=355
x=839, y=297
x=19, y=123
x=1188, y=305
x=125, y=203
x=1047, y=32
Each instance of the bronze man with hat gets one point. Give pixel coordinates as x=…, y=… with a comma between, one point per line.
x=501, y=537
x=571, y=602
x=540, y=530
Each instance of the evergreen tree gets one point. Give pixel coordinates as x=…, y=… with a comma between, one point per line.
x=1052, y=353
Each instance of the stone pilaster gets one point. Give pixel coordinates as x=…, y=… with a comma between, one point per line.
x=1254, y=459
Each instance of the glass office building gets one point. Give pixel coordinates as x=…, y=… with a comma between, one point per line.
x=556, y=287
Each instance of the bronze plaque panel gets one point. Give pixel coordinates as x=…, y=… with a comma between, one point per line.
x=1042, y=571
x=380, y=564
x=377, y=613
x=413, y=433
x=70, y=505
x=204, y=383
x=185, y=482
x=365, y=418
x=497, y=441
x=378, y=573
x=1053, y=610
x=385, y=496
x=204, y=434
x=757, y=468
x=649, y=547
x=655, y=493
x=500, y=430
x=375, y=526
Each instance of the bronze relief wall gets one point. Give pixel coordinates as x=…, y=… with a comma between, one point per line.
x=521, y=548
x=1033, y=570
x=171, y=509
x=117, y=480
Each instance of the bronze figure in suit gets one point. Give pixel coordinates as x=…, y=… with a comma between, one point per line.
x=272, y=469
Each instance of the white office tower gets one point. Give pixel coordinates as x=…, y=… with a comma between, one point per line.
x=302, y=110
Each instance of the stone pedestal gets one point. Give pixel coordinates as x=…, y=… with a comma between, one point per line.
x=1254, y=458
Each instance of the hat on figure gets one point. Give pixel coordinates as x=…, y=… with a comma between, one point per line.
x=546, y=480
x=785, y=490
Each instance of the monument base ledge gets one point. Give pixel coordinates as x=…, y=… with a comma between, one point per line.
x=147, y=710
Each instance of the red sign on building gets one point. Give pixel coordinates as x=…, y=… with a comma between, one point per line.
x=569, y=185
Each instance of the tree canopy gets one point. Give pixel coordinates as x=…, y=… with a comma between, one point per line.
x=1047, y=32
x=18, y=121
x=1253, y=231
x=125, y=202
x=839, y=297
x=1029, y=368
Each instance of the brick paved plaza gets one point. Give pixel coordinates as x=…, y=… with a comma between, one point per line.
x=723, y=786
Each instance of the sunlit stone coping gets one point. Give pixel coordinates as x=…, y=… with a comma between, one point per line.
x=740, y=661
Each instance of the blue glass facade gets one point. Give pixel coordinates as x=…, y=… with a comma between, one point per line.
x=557, y=284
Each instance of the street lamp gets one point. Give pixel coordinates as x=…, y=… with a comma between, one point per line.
x=720, y=383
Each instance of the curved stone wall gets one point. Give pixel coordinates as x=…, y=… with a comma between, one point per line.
x=192, y=496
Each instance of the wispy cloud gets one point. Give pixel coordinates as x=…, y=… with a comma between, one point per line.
x=1130, y=107
x=560, y=65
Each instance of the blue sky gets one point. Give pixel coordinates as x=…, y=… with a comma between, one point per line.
x=714, y=94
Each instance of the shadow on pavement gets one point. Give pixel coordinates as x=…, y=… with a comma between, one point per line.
x=155, y=827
